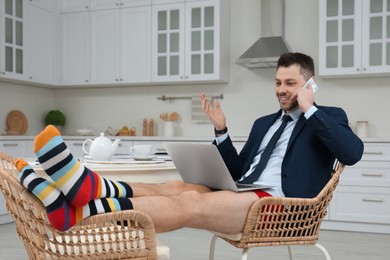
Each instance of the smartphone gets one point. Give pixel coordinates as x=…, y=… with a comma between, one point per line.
x=312, y=83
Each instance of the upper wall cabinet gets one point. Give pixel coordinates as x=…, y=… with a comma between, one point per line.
x=354, y=37
x=40, y=33
x=75, y=55
x=74, y=5
x=121, y=45
x=108, y=4
x=11, y=39
x=49, y=5
x=187, y=41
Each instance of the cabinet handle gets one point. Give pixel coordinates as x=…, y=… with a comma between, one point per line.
x=372, y=174
x=78, y=144
x=374, y=153
x=9, y=145
x=372, y=200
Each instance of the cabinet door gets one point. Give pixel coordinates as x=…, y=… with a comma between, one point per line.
x=49, y=5
x=202, y=40
x=14, y=148
x=136, y=44
x=74, y=5
x=40, y=28
x=76, y=147
x=12, y=45
x=340, y=37
x=105, y=4
x=168, y=43
x=105, y=47
x=75, y=48
x=376, y=41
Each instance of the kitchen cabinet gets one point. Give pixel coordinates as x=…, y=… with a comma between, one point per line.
x=75, y=48
x=108, y=4
x=121, y=45
x=11, y=39
x=17, y=148
x=361, y=201
x=74, y=5
x=354, y=37
x=40, y=34
x=187, y=41
x=4, y=216
x=49, y=5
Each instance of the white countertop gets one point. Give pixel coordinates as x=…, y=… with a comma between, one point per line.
x=163, y=138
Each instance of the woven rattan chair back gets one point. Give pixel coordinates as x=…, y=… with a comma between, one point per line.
x=120, y=235
x=277, y=221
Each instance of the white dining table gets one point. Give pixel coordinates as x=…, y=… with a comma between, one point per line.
x=154, y=171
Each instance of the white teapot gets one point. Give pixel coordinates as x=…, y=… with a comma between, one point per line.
x=101, y=149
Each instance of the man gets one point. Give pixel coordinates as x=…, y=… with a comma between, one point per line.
x=299, y=165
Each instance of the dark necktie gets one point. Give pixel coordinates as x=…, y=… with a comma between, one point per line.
x=254, y=176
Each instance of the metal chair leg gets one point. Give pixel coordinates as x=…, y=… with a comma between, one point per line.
x=212, y=247
x=244, y=254
x=290, y=252
x=323, y=251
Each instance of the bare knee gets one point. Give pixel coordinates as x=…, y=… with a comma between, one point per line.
x=179, y=186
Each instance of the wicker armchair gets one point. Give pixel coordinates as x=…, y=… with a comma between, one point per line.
x=120, y=235
x=273, y=221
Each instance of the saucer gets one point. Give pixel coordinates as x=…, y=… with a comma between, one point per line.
x=143, y=158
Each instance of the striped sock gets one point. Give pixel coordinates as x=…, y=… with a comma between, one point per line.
x=61, y=214
x=79, y=184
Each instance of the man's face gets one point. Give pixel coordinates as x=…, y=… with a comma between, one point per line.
x=287, y=81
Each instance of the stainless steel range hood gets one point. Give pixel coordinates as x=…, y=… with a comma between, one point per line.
x=265, y=52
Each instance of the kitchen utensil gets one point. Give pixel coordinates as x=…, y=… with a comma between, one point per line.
x=111, y=131
x=164, y=116
x=101, y=149
x=174, y=116
x=84, y=131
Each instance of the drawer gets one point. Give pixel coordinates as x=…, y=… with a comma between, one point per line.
x=359, y=204
x=376, y=152
x=366, y=173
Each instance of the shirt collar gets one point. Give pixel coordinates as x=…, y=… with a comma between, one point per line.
x=294, y=114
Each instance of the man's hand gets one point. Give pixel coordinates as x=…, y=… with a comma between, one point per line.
x=215, y=114
x=305, y=98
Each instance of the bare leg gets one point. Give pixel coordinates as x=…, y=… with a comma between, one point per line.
x=221, y=211
x=165, y=189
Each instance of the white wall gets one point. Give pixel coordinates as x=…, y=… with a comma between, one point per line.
x=248, y=95
x=34, y=102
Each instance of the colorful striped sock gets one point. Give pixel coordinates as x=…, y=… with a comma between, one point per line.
x=61, y=214
x=79, y=184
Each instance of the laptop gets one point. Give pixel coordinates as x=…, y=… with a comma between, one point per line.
x=203, y=164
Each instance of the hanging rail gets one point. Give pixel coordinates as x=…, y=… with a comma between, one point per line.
x=171, y=99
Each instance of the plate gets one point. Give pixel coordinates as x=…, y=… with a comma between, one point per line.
x=17, y=121
x=143, y=158
x=123, y=162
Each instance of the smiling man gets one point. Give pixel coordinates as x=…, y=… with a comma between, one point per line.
x=302, y=156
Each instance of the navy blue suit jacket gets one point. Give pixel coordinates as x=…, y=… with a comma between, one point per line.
x=311, y=152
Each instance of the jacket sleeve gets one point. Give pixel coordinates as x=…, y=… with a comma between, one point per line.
x=331, y=126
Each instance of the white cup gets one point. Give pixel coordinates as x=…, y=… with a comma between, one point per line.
x=141, y=150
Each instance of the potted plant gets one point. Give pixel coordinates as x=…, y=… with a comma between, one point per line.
x=56, y=118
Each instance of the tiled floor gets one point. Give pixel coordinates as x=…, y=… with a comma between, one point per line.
x=190, y=244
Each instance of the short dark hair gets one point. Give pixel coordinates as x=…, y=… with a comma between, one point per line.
x=304, y=61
